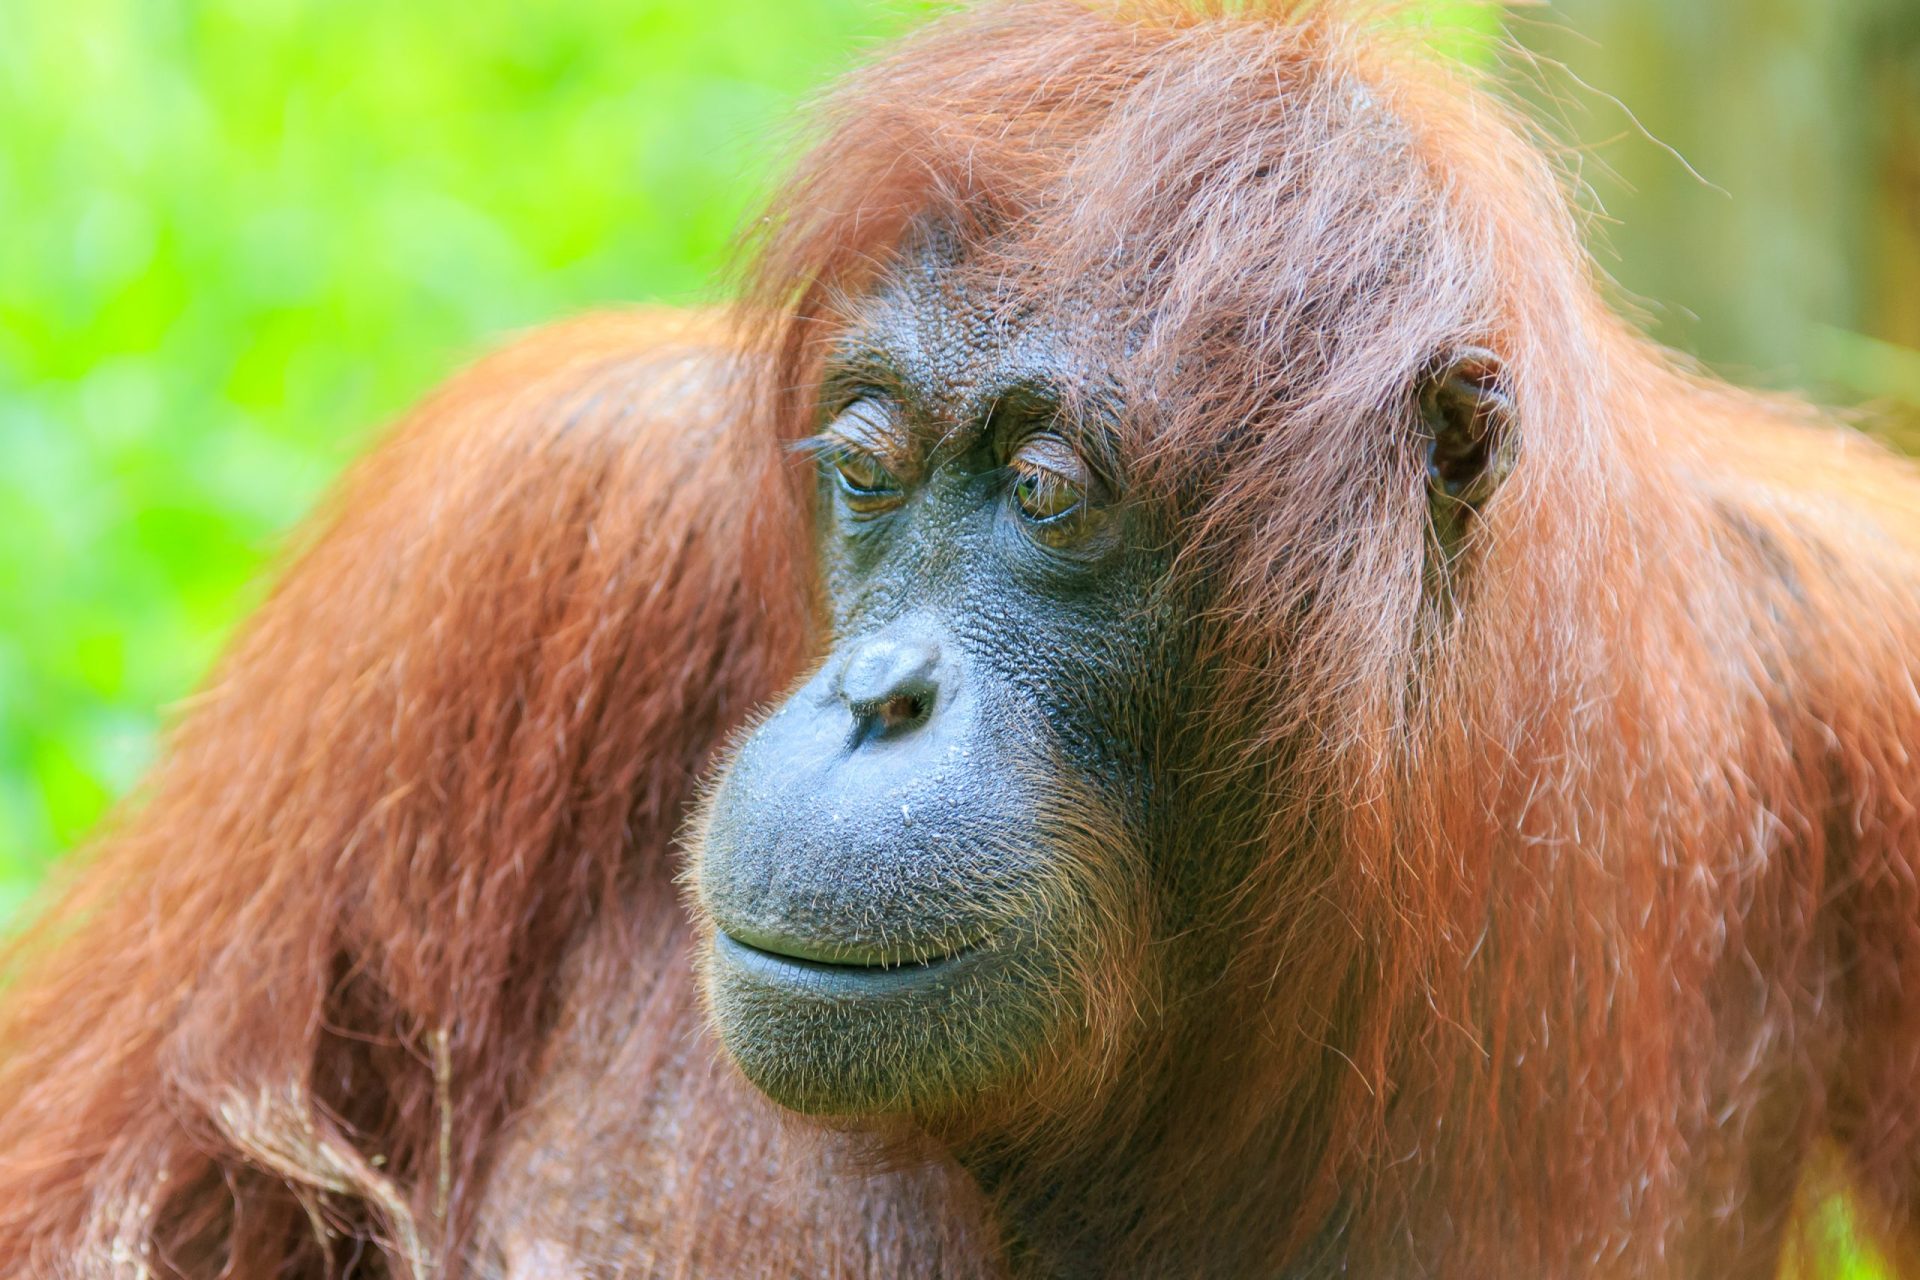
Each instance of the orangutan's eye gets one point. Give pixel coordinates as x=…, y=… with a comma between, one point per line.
x=1049, y=480
x=854, y=448
x=865, y=484
x=1043, y=496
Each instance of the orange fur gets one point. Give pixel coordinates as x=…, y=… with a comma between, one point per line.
x=291, y=997
x=1585, y=896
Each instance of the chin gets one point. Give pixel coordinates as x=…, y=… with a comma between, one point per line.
x=913, y=1039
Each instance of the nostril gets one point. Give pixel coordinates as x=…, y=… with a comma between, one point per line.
x=896, y=713
x=901, y=709
x=890, y=686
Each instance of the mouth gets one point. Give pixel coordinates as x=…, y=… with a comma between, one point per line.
x=835, y=980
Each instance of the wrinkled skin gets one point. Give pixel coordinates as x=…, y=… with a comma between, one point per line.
x=913, y=865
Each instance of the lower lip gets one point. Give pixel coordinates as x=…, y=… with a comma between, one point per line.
x=814, y=979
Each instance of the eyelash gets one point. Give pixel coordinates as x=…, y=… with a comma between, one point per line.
x=1045, y=485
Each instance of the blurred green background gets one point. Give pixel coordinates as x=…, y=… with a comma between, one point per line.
x=238, y=235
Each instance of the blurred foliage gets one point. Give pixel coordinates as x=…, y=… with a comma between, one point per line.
x=1827, y=1245
x=1757, y=166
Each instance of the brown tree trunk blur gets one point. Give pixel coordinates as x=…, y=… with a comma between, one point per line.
x=1793, y=258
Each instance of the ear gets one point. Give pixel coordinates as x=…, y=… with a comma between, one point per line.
x=1467, y=418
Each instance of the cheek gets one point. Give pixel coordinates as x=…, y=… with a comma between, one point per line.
x=1100, y=690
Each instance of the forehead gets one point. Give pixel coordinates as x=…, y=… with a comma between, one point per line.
x=953, y=340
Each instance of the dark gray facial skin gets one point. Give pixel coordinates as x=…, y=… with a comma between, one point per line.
x=919, y=865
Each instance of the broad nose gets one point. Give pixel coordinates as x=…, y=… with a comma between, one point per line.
x=890, y=685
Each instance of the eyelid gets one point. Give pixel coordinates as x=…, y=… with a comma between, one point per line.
x=1054, y=456
x=869, y=423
